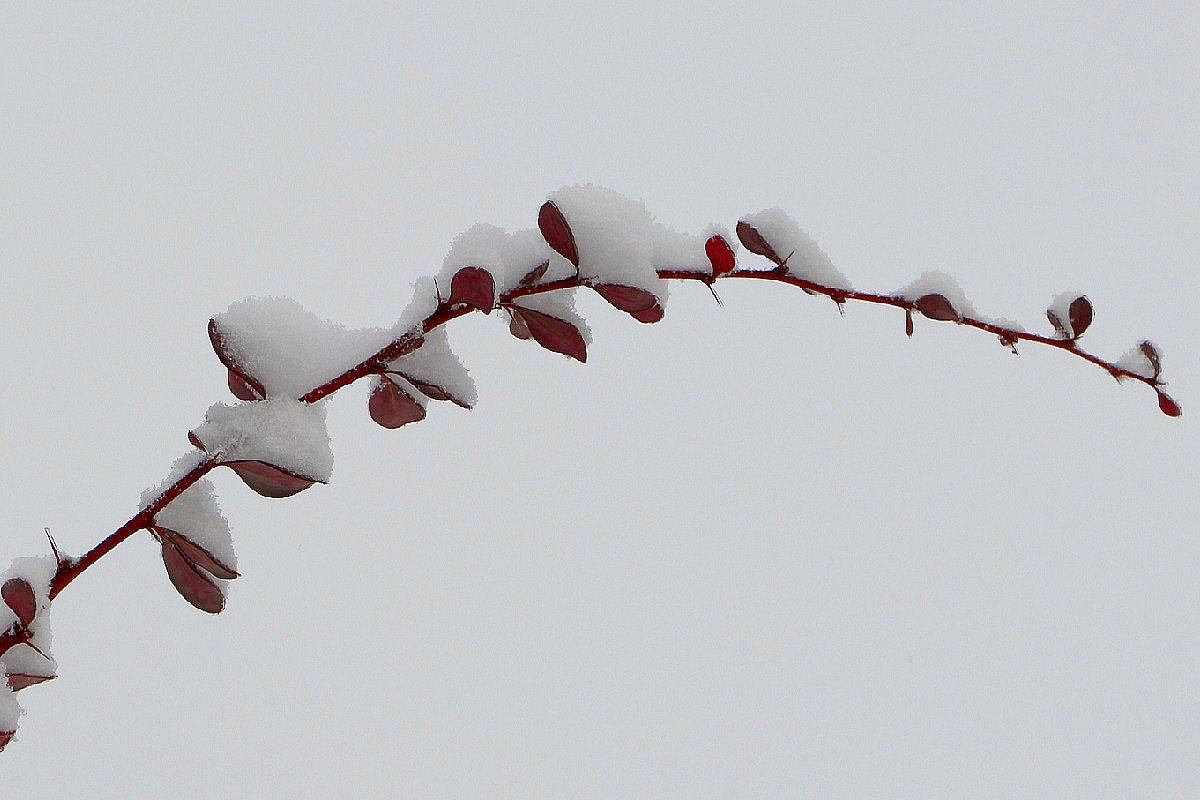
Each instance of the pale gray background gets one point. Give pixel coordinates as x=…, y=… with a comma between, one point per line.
x=752, y=551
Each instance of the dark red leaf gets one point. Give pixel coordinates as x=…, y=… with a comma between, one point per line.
x=198, y=555
x=221, y=349
x=1080, y=313
x=557, y=232
x=650, y=315
x=21, y=680
x=241, y=389
x=625, y=298
x=908, y=322
x=1153, y=356
x=430, y=390
x=720, y=255
x=268, y=479
x=475, y=287
x=1168, y=406
x=195, y=440
x=19, y=596
x=517, y=326
x=536, y=274
x=391, y=406
x=936, y=306
x=1059, y=327
x=552, y=333
x=434, y=392
x=5, y=738
x=190, y=581
x=753, y=241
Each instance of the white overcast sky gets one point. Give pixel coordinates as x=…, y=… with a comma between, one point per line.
x=755, y=550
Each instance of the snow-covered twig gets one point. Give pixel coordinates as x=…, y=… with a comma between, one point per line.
x=282, y=361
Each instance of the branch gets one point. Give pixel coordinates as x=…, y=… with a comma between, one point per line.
x=627, y=270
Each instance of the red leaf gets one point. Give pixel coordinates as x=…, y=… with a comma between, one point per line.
x=434, y=392
x=552, y=333
x=5, y=738
x=221, y=349
x=21, y=680
x=908, y=322
x=720, y=255
x=626, y=298
x=1152, y=355
x=195, y=440
x=268, y=479
x=1080, y=313
x=1059, y=327
x=241, y=389
x=196, y=554
x=391, y=406
x=936, y=306
x=536, y=274
x=19, y=596
x=557, y=232
x=196, y=587
x=517, y=326
x=753, y=241
x=475, y=287
x=1168, y=406
x=650, y=315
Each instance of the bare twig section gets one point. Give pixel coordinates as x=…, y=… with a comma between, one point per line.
x=448, y=311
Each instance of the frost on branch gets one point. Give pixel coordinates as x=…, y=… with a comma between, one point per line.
x=24, y=635
x=616, y=240
x=938, y=296
x=776, y=236
x=510, y=258
x=1144, y=359
x=278, y=447
x=196, y=545
x=285, y=349
x=436, y=372
x=517, y=261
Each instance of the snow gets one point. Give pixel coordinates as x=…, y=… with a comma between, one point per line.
x=422, y=305
x=196, y=514
x=936, y=282
x=1061, y=307
x=289, y=349
x=279, y=431
x=685, y=251
x=615, y=237
x=509, y=257
x=181, y=466
x=804, y=257
x=27, y=661
x=1134, y=360
x=10, y=711
x=435, y=363
x=1002, y=322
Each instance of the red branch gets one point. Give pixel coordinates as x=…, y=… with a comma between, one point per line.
x=445, y=312
x=71, y=569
